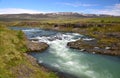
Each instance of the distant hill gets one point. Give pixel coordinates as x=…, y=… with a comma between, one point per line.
x=51, y=15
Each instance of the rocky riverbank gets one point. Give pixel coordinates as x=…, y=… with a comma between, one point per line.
x=94, y=47
x=24, y=70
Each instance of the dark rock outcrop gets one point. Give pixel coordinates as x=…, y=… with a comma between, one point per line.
x=95, y=48
x=113, y=34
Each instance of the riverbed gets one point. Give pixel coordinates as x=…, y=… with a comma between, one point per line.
x=78, y=63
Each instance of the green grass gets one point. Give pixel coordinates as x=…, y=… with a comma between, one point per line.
x=12, y=58
x=43, y=22
x=100, y=34
x=105, y=20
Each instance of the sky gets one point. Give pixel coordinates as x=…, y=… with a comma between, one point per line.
x=111, y=7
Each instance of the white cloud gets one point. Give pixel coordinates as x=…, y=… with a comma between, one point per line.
x=18, y=11
x=111, y=10
x=77, y=4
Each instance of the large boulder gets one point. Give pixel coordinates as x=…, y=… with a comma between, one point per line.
x=36, y=46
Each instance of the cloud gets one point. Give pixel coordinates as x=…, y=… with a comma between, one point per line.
x=77, y=4
x=111, y=10
x=18, y=11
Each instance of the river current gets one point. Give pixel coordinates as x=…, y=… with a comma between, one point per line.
x=72, y=61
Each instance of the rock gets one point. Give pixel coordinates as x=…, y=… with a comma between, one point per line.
x=96, y=48
x=73, y=45
x=36, y=47
x=113, y=34
x=107, y=48
x=82, y=50
x=34, y=39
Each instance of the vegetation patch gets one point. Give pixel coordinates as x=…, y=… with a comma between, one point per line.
x=14, y=62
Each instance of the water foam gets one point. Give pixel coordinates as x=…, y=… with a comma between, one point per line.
x=68, y=64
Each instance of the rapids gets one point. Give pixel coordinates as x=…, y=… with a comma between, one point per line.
x=75, y=62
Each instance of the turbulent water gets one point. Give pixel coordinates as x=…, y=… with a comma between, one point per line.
x=71, y=61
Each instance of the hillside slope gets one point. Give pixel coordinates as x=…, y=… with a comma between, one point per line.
x=14, y=62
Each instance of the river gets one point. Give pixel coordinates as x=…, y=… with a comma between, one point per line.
x=75, y=62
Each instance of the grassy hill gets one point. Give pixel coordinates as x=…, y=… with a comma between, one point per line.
x=14, y=62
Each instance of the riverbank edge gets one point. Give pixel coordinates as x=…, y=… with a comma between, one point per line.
x=46, y=68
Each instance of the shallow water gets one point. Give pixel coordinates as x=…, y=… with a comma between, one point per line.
x=74, y=62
